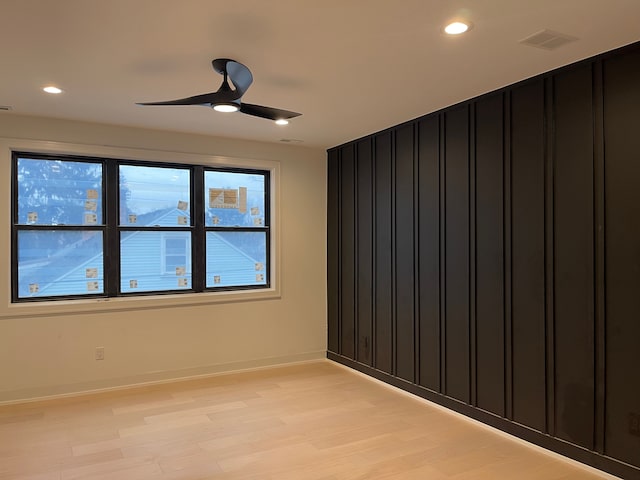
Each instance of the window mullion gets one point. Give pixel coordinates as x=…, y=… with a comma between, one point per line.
x=112, y=241
x=198, y=254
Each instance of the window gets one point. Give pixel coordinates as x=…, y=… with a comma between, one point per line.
x=175, y=254
x=92, y=227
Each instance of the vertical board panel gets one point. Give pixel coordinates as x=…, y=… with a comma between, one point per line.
x=383, y=266
x=508, y=303
x=365, y=250
x=599, y=261
x=527, y=254
x=404, y=253
x=622, y=247
x=573, y=257
x=443, y=251
x=347, y=252
x=333, y=251
x=490, y=255
x=457, y=252
x=429, y=253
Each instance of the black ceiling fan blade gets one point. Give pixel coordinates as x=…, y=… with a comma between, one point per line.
x=267, y=112
x=220, y=64
x=240, y=75
x=204, y=99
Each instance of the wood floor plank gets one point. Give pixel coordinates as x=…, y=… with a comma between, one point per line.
x=172, y=424
x=191, y=412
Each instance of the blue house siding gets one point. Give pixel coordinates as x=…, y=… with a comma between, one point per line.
x=74, y=282
x=143, y=262
x=230, y=264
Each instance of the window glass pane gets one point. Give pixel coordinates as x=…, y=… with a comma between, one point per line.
x=56, y=262
x=236, y=258
x=155, y=261
x=234, y=199
x=152, y=196
x=57, y=192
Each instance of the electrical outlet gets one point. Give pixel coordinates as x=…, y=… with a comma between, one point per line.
x=99, y=353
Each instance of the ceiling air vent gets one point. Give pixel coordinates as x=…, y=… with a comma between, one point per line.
x=548, y=40
x=5, y=108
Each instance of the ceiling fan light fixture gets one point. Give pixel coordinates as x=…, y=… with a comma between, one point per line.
x=282, y=121
x=456, y=28
x=52, y=89
x=226, y=107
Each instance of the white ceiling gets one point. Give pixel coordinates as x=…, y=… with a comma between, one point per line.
x=352, y=67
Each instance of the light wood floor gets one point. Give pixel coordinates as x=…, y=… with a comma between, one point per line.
x=316, y=421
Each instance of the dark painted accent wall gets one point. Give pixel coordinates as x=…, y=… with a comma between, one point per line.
x=487, y=257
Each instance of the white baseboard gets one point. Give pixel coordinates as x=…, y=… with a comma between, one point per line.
x=152, y=378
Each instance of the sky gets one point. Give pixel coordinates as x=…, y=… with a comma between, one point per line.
x=150, y=191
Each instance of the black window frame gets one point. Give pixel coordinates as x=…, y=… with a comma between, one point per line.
x=112, y=229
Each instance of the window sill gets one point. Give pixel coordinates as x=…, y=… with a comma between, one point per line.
x=106, y=305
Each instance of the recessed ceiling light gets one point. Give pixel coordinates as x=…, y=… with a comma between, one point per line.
x=282, y=121
x=226, y=107
x=52, y=89
x=456, y=28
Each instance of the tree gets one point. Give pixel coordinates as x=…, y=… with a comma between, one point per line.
x=54, y=192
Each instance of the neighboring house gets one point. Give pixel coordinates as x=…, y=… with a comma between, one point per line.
x=151, y=261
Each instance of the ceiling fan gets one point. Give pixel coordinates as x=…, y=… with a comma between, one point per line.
x=226, y=99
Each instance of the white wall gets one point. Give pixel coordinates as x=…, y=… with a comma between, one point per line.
x=45, y=354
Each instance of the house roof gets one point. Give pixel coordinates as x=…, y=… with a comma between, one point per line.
x=351, y=67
